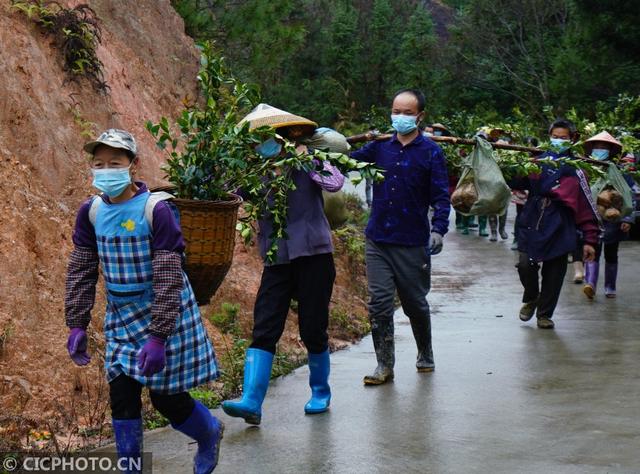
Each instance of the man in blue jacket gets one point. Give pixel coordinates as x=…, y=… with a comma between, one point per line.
x=400, y=240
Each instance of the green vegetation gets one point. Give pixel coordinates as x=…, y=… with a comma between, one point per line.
x=211, y=155
x=346, y=325
x=335, y=60
x=76, y=33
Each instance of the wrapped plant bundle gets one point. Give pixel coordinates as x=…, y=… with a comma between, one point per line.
x=464, y=197
x=612, y=195
x=482, y=190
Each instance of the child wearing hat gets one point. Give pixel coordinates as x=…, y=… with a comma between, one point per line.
x=153, y=329
x=605, y=147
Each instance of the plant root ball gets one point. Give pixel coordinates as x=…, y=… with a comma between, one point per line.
x=610, y=198
x=612, y=214
x=464, y=197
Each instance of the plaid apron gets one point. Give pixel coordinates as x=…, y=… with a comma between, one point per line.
x=124, y=241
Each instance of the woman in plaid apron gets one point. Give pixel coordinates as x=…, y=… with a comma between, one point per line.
x=153, y=329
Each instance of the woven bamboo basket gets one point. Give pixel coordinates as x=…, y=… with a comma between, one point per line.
x=209, y=231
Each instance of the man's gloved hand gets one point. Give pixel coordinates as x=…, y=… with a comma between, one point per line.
x=77, y=346
x=435, y=243
x=151, y=358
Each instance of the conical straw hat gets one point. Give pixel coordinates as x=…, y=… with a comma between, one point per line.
x=603, y=137
x=267, y=115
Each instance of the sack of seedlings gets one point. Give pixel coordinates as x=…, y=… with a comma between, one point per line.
x=612, y=195
x=482, y=190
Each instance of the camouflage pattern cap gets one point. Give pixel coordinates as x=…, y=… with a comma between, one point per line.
x=114, y=138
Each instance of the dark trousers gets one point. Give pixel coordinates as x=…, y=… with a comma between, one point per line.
x=126, y=403
x=309, y=280
x=553, y=272
x=407, y=270
x=610, y=252
x=576, y=256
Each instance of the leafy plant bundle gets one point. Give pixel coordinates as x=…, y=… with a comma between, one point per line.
x=212, y=155
x=75, y=31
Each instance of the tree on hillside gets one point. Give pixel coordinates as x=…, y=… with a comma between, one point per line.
x=509, y=46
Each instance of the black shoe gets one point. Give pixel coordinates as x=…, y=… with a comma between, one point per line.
x=528, y=310
x=545, y=323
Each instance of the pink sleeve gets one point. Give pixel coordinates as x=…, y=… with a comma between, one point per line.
x=572, y=193
x=331, y=183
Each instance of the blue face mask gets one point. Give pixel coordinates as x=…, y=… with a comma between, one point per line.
x=404, y=124
x=111, y=181
x=600, y=154
x=560, y=144
x=269, y=149
x=438, y=133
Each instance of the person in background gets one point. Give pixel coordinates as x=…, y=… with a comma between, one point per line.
x=440, y=130
x=303, y=269
x=499, y=223
x=368, y=192
x=559, y=204
x=605, y=147
x=400, y=240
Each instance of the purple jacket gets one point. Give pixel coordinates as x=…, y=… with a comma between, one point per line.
x=307, y=226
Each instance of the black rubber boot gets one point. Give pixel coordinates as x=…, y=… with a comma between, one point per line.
x=383, y=342
x=422, y=334
x=502, y=224
x=493, y=226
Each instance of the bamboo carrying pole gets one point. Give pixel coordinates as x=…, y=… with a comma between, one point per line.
x=369, y=136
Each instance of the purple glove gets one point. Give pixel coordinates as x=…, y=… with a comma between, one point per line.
x=77, y=346
x=151, y=358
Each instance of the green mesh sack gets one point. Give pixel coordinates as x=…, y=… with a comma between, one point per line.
x=482, y=190
x=623, y=203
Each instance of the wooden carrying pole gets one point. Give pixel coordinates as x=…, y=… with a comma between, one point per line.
x=369, y=136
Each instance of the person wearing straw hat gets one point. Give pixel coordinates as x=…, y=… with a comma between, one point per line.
x=440, y=130
x=303, y=270
x=559, y=205
x=153, y=330
x=400, y=237
x=605, y=147
x=498, y=224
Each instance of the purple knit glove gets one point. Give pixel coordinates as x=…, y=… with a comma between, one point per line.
x=151, y=358
x=77, y=346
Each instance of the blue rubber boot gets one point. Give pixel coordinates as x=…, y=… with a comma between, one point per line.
x=319, y=368
x=257, y=372
x=128, y=434
x=207, y=430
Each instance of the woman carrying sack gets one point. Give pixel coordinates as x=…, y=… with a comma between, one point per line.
x=605, y=147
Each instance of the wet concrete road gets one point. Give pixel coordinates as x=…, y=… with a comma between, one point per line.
x=506, y=397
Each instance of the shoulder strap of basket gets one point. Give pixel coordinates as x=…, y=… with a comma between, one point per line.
x=154, y=199
x=93, y=210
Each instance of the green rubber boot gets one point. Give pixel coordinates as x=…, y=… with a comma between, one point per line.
x=482, y=226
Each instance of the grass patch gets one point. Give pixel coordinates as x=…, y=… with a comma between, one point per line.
x=75, y=31
x=347, y=325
